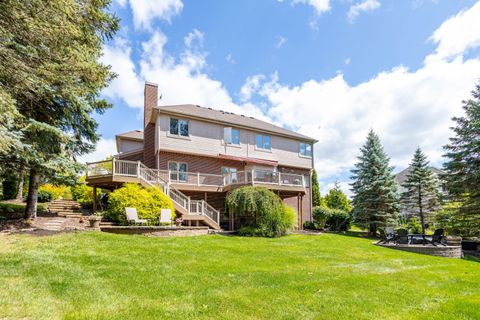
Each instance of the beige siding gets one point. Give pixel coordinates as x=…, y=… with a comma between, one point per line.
x=207, y=139
x=130, y=145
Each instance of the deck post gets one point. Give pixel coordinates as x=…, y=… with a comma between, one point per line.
x=138, y=169
x=198, y=178
x=94, y=208
x=188, y=205
x=113, y=166
x=253, y=177
x=279, y=178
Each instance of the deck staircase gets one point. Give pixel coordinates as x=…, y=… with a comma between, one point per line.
x=191, y=210
x=65, y=208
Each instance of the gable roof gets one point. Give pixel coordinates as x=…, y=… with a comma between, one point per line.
x=233, y=119
x=131, y=135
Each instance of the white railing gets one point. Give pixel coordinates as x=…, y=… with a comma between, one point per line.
x=99, y=168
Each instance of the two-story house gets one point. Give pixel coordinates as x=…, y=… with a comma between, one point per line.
x=198, y=154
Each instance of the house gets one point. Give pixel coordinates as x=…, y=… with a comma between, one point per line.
x=198, y=154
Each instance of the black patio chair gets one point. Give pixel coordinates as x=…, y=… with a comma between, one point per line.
x=402, y=236
x=438, y=237
x=388, y=235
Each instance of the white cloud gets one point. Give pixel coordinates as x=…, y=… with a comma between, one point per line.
x=146, y=11
x=105, y=148
x=127, y=86
x=347, y=61
x=363, y=6
x=250, y=86
x=459, y=33
x=320, y=6
x=280, y=42
x=344, y=186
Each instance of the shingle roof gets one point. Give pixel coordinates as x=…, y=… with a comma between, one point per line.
x=231, y=118
x=134, y=134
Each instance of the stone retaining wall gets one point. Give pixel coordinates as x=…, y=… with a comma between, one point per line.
x=439, y=250
x=156, y=231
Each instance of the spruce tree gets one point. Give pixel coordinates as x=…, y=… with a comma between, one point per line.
x=463, y=165
x=421, y=195
x=51, y=80
x=316, y=198
x=375, y=197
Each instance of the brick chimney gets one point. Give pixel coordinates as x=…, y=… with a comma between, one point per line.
x=150, y=101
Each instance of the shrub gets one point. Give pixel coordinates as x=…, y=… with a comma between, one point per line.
x=83, y=194
x=333, y=219
x=12, y=211
x=414, y=226
x=261, y=212
x=320, y=215
x=148, y=202
x=311, y=225
x=339, y=220
x=9, y=186
x=44, y=196
x=56, y=192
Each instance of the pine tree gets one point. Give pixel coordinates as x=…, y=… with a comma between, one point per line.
x=51, y=79
x=463, y=165
x=421, y=194
x=336, y=199
x=375, y=198
x=316, y=198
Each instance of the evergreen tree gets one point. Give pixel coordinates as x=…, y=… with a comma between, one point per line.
x=463, y=165
x=316, y=198
x=336, y=199
x=375, y=197
x=50, y=81
x=421, y=194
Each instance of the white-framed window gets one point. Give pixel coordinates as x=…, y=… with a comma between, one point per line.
x=231, y=135
x=305, y=149
x=179, y=127
x=263, y=141
x=178, y=171
x=230, y=174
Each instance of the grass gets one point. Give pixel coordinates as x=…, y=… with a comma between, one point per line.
x=106, y=276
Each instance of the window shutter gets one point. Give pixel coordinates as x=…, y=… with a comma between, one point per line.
x=227, y=135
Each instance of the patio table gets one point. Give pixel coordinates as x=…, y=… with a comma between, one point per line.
x=420, y=237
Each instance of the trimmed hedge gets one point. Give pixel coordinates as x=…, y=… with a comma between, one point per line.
x=333, y=219
x=260, y=211
x=147, y=201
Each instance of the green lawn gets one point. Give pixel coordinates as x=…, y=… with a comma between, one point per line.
x=106, y=276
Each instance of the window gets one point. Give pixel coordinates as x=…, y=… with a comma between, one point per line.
x=263, y=141
x=179, y=127
x=230, y=175
x=178, y=171
x=231, y=135
x=305, y=149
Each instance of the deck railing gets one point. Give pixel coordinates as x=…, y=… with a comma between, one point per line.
x=152, y=177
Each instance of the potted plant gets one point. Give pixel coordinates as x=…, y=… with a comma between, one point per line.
x=95, y=221
x=178, y=221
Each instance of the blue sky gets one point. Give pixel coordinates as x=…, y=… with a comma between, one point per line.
x=329, y=69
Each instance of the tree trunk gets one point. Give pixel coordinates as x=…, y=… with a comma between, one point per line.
x=373, y=230
x=31, y=208
x=21, y=177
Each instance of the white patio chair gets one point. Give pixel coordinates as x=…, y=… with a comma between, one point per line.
x=132, y=215
x=166, y=216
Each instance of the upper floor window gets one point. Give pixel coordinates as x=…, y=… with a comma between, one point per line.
x=305, y=149
x=179, y=127
x=231, y=135
x=263, y=141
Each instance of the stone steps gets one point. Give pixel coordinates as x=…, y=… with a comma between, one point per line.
x=65, y=208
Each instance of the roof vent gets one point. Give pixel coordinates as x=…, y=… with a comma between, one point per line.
x=252, y=118
x=209, y=108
